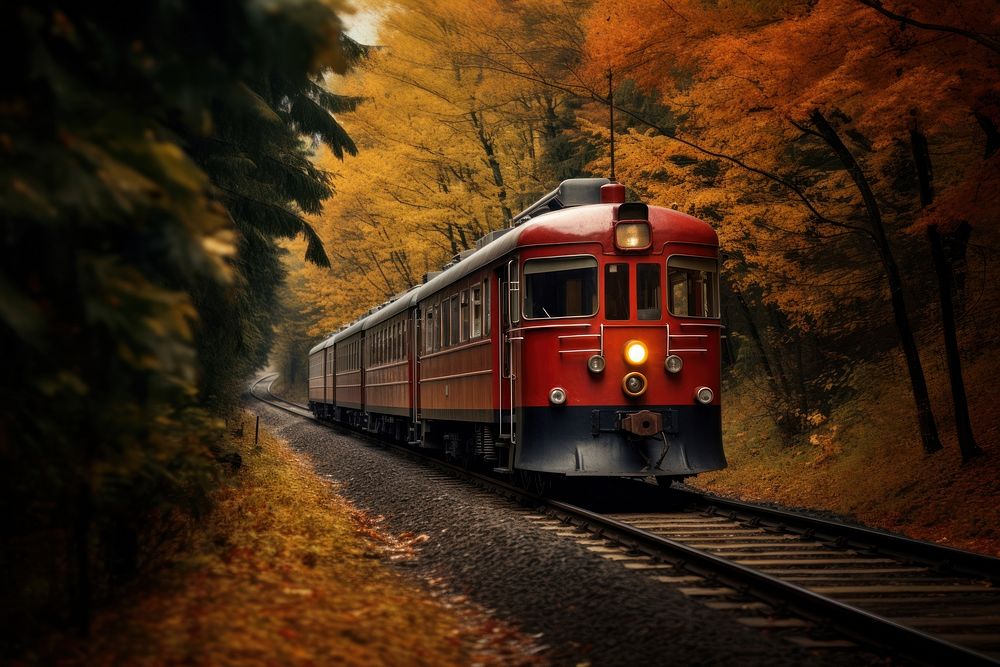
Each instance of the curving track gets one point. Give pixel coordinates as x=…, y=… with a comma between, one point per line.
x=812, y=579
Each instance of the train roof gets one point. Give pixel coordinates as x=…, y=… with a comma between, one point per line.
x=562, y=216
x=354, y=328
x=325, y=343
x=572, y=225
x=394, y=307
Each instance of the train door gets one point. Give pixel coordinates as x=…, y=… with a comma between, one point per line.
x=510, y=354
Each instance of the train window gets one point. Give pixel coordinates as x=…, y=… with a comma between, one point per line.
x=693, y=286
x=437, y=326
x=616, y=291
x=477, y=312
x=464, y=303
x=486, y=307
x=455, y=320
x=648, y=292
x=560, y=287
x=429, y=330
x=445, y=323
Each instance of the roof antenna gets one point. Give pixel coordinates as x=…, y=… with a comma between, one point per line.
x=611, y=105
x=612, y=192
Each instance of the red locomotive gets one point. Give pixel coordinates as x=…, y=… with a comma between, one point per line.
x=583, y=340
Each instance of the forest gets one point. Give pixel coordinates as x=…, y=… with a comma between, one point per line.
x=191, y=190
x=846, y=151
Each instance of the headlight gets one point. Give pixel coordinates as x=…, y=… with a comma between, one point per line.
x=704, y=395
x=634, y=384
x=596, y=364
x=557, y=396
x=673, y=364
x=636, y=352
x=632, y=235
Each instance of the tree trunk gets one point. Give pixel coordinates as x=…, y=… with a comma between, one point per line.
x=945, y=273
x=925, y=416
x=494, y=164
x=963, y=425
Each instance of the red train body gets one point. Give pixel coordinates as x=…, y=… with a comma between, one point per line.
x=584, y=340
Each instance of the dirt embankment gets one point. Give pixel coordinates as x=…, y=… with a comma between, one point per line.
x=866, y=460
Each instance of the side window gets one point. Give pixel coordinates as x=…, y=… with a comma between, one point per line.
x=477, y=312
x=445, y=323
x=486, y=307
x=693, y=287
x=616, y=291
x=429, y=330
x=455, y=320
x=464, y=304
x=437, y=326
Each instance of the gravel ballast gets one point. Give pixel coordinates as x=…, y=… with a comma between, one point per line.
x=586, y=608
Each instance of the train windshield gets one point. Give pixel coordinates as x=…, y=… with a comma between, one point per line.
x=560, y=287
x=693, y=286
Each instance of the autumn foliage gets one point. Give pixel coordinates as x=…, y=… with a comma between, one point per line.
x=822, y=139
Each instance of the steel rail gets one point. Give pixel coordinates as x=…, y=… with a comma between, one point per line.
x=942, y=558
x=858, y=623
x=863, y=626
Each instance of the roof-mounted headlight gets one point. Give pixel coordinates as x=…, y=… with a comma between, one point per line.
x=632, y=235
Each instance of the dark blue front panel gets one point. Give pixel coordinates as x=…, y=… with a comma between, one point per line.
x=588, y=440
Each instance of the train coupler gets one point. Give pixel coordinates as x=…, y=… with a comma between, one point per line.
x=644, y=423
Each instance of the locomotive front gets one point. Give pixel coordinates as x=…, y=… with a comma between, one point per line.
x=613, y=342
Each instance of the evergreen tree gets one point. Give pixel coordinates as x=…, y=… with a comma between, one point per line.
x=152, y=153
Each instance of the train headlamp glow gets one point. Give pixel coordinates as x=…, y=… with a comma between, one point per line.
x=632, y=235
x=634, y=384
x=704, y=395
x=636, y=352
x=673, y=364
x=557, y=396
x=596, y=364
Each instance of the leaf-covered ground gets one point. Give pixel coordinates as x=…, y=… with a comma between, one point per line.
x=866, y=461
x=285, y=572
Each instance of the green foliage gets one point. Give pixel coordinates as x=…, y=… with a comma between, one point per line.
x=153, y=152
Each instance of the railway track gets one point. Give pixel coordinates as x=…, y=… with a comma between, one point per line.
x=816, y=581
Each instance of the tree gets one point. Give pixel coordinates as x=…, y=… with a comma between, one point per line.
x=452, y=147
x=775, y=93
x=128, y=223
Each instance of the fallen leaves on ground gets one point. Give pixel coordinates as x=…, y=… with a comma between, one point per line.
x=284, y=571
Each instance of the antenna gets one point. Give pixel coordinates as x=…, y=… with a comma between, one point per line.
x=611, y=104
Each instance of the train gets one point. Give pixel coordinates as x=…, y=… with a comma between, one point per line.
x=581, y=341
